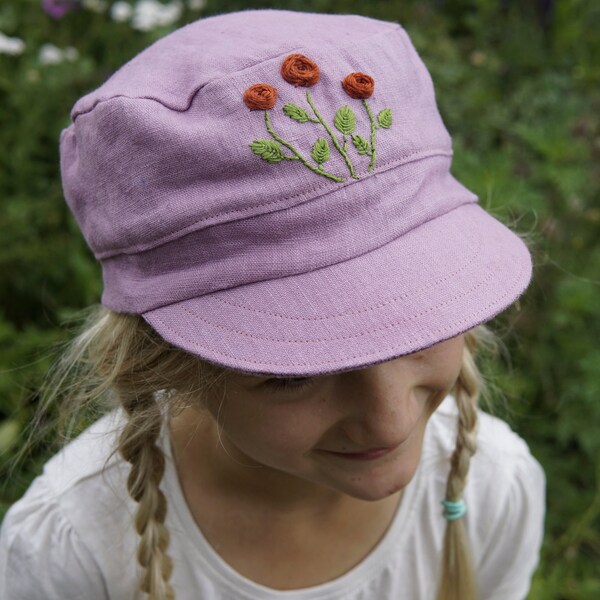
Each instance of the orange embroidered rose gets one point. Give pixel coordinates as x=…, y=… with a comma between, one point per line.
x=358, y=85
x=260, y=96
x=298, y=69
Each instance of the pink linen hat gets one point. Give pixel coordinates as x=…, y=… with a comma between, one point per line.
x=271, y=191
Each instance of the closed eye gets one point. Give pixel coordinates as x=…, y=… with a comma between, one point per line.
x=289, y=383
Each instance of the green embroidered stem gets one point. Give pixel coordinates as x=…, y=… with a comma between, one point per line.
x=333, y=138
x=297, y=154
x=373, y=128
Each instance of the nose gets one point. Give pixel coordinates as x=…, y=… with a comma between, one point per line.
x=381, y=405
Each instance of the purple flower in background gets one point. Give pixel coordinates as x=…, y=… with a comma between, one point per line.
x=57, y=9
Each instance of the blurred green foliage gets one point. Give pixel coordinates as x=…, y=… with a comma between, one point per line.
x=519, y=88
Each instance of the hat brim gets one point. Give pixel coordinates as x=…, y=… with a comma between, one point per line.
x=437, y=281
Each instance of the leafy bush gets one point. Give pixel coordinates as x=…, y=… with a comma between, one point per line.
x=518, y=87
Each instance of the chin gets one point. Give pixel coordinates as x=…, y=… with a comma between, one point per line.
x=380, y=484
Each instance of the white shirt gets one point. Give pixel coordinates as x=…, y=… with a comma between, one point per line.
x=71, y=535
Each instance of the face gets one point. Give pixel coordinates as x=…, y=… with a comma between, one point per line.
x=358, y=432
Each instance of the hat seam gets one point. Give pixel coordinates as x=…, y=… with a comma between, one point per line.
x=75, y=114
x=498, y=301
x=353, y=312
x=403, y=320
x=175, y=235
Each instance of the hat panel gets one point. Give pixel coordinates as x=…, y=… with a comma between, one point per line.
x=153, y=174
x=128, y=168
x=329, y=229
x=402, y=84
x=173, y=68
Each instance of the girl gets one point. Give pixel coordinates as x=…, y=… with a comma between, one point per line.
x=294, y=292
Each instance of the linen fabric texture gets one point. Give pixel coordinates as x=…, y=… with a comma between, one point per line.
x=273, y=268
x=75, y=526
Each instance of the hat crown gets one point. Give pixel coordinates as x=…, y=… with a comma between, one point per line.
x=170, y=171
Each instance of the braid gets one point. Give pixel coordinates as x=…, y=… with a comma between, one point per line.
x=138, y=447
x=458, y=577
x=117, y=358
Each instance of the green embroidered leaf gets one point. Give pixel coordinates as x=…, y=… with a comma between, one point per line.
x=385, y=118
x=296, y=112
x=268, y=150
x=361, y=144
x=344, y=120
x=320, y=151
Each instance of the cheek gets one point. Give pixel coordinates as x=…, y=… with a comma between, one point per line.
x=443, y=366
x=453, y=357
x=273, y=430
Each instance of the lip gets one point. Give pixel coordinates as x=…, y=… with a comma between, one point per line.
x=372, y=454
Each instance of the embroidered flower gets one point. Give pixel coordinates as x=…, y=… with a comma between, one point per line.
x=358, y=85
x=299, y=70
x=260, y=96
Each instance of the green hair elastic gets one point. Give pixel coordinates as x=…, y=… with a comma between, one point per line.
x=454, y=510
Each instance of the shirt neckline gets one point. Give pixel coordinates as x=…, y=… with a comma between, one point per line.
x=207, y=558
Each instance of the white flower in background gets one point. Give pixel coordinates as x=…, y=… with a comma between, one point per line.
x=52, y=55
x=121, y=11
x=11, y=45
x=97, y=6
x=149, y=14
x=196, y=4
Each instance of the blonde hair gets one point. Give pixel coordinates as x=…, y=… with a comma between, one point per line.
x=457, y=581
x=118, y=359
